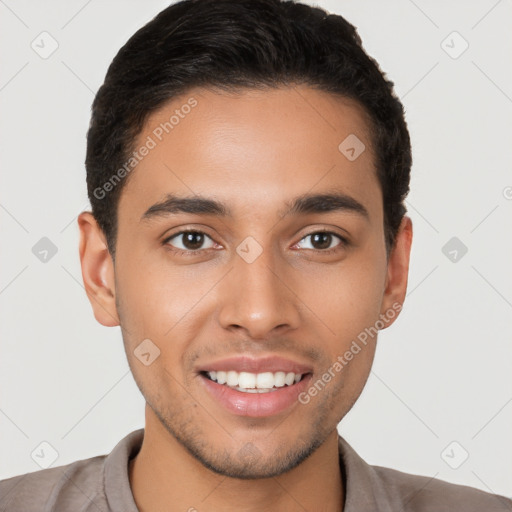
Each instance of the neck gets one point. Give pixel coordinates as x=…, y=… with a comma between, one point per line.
x=164, y=474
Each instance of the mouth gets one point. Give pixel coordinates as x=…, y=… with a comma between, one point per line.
x=247, y=382
x=251, y=387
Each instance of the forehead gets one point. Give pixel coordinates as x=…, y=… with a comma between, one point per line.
x=253, y=149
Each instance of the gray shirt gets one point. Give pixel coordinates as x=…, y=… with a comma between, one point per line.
x=101, y=484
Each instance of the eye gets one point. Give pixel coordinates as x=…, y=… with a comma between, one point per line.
x=323, y=241
x=193, y=241
x=189, y=241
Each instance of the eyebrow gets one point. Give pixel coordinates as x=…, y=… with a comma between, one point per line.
x=304, y=204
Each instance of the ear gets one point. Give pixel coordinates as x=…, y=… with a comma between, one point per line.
x=97, y=270
x=397, y=273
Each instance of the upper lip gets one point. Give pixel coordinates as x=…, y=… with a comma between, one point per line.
x=256, y=365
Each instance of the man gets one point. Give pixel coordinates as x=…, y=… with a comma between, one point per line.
x=247, y=165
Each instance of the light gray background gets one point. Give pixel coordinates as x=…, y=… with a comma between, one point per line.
x=442, y=373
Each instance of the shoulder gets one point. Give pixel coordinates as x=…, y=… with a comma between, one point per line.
x=76, y=484
x=419, y=493
x=370, y=488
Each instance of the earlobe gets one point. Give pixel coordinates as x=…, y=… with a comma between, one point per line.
x=397, y=273
x=97, y=270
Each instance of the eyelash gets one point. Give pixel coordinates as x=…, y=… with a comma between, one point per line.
x=181, y=252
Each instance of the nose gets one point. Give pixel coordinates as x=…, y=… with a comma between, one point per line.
x=258, y=298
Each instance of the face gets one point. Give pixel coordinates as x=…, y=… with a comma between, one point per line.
x=250, y=258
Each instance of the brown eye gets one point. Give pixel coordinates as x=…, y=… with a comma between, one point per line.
x=323, y=240
x=189, y=240
x=193, y=240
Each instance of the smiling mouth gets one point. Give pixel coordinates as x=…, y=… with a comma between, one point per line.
x=247, y=382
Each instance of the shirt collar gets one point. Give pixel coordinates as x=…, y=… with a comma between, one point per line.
x=363, y=490
x=116, y=479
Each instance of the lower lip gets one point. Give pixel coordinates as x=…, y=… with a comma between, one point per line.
x=256, y=405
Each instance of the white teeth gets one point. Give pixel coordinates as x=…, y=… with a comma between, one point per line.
x=255, y=390
x=247, y=380
x=279, y=379
x=232, y=379
x=265, y=380
x=289, y=379
x=255, y=382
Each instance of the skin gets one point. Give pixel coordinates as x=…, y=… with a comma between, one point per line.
x=254, y=151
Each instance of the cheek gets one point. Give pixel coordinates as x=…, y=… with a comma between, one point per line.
x=351, y=310
x=156, y=297
x=165, y=305
x=348, y=298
